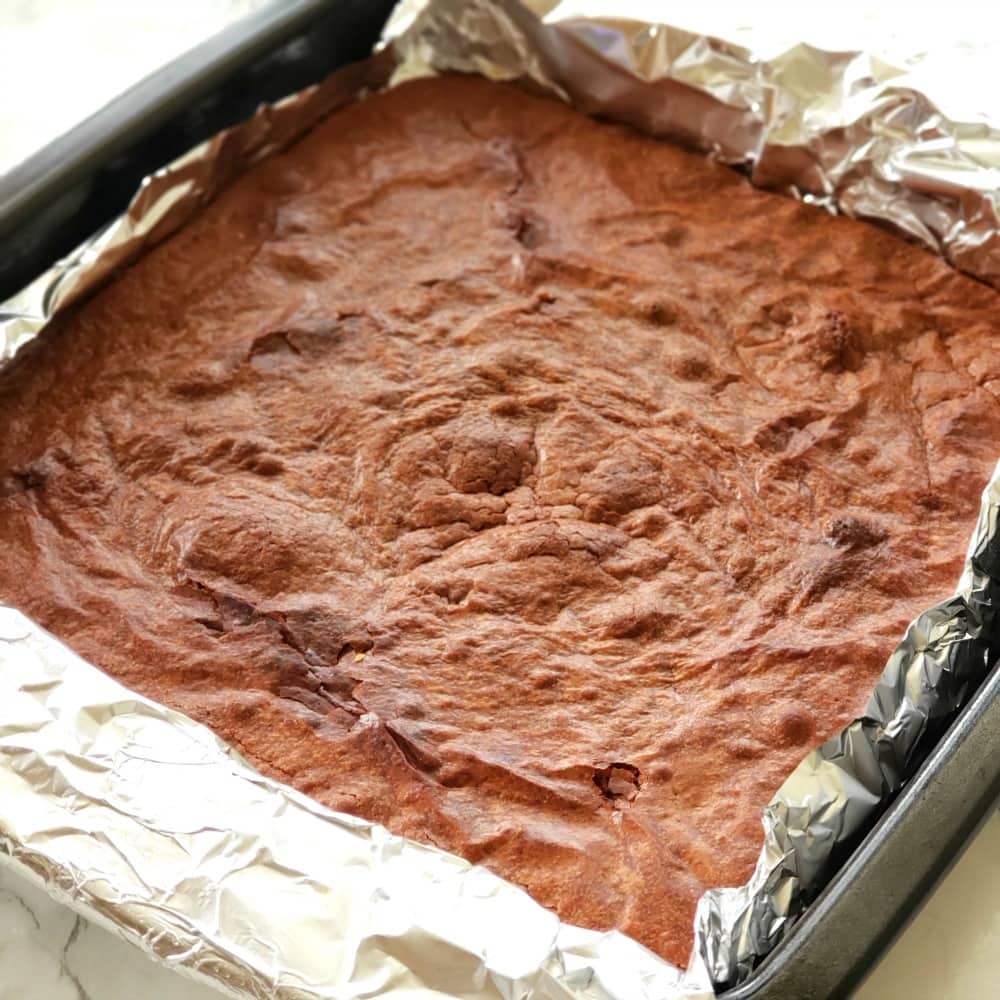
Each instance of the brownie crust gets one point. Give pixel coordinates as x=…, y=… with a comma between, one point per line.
x=534, y=488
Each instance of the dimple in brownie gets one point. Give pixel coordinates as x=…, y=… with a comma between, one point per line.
x=535, y=488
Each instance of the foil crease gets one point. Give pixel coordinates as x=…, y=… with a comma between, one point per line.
x=859, y=132
x=833, y=797
x=143, y=820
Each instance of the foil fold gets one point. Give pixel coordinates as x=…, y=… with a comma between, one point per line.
x=857, y=131
x=144, y=821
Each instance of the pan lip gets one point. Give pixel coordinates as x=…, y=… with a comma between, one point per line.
x=174, y=85
x=138, y=110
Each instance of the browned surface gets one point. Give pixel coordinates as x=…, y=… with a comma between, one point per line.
x=536, y=489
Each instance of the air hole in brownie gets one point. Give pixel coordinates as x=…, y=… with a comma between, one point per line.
x=854, y=533
x=453, y=591
x=354, y=650
x=22, y=481
x=618, y=781
x=272, y=350
x=528, y=232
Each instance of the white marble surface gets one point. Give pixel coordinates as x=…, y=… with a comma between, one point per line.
x=951, y=950
x=65, y=59
x=47, y=952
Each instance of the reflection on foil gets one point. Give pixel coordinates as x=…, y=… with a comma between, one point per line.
x=860, y=130
x=144, y=820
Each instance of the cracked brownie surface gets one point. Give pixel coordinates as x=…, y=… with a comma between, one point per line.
x=536, y=489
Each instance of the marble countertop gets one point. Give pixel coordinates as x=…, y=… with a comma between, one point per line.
x=79, y=54
x=950, y=951
x=47, y=952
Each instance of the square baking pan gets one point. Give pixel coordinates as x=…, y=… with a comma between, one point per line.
x=63, y=193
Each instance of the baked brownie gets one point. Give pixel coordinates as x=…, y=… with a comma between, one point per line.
x=534, y=488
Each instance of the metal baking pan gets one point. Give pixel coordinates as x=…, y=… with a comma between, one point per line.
x=67, y=190
x=880, y=886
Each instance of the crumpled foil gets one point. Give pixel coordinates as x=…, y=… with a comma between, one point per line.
x=855, y=131
x=143, y=820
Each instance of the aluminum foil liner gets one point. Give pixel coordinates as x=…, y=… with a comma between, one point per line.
x=143, y=820
x=860, y=132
